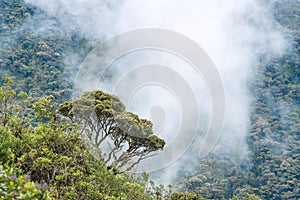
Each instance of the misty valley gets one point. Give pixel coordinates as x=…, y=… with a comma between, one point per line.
x=153, y=100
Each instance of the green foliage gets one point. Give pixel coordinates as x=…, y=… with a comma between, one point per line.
x=247, y=197
x=13, y=187
x=48, y=159
x=34, y=60
x=272, y=169
x=43, y=156
x=103, y=118
x=44, y=109
x=185, y=196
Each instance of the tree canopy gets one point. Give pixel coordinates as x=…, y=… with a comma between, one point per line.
x=43, y=155
x=106, y=123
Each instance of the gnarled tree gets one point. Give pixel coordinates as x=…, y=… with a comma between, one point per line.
x=105, y=122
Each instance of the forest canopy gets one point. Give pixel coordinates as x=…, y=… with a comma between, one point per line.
x=52, y=146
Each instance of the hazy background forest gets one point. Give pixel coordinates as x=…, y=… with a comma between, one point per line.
x=43, y=154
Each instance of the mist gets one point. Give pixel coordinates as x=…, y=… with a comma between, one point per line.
x=235, y=34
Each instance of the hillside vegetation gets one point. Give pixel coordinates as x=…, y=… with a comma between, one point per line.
x=44, y=156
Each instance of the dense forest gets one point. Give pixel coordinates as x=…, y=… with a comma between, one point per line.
x=43, y=154
x=274, y=135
